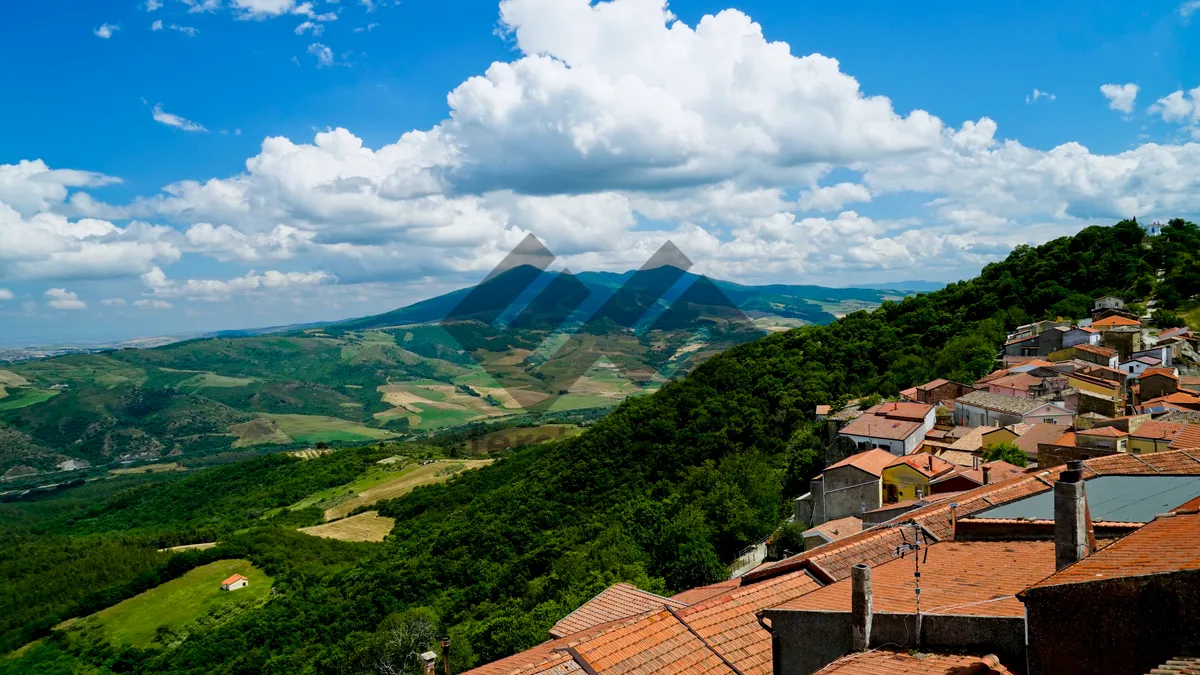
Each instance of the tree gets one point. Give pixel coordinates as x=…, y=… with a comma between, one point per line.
x=806, y=457
x=1167, y=319
x=1006, y=452
x=788, y=539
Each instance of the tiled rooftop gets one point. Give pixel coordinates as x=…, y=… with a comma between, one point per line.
x=1170, y=373
x=882, y=662
x=1188, y=439
x=840, y=528
x=615, y=602
x=694, y=595
x=1103, y=432
x=999, y=402
x=1158, y=430
x=1039, y=433
x=871, y=461
x=971, y=442
x=956, y=578
x=1168, y=544
x=876, y=426
x=1115, y=321
x=902, y=410
x=726, y=619
x=925, y=463
x=1179, y=666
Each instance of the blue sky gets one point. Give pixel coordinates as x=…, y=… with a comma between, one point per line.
x=155, y=205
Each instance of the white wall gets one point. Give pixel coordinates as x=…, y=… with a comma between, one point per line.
x=895, y=447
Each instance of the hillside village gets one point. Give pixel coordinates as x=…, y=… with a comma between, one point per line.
x=1042, y=519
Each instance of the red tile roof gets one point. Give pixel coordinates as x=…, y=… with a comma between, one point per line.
x=1158, y=430
x=695, y=595
x=957, y=577
x=925, y=463
x=233, y=579
x=1115, y=321
x=1104, y=432
x=1188, y=439
x=874, y=426
x=882, y=662
x=871, y=461
x=615, y=602
x=909, y=393
x=933, y=384
x=1043, y=432
x=902, y=410
x=1164, y=372
x=840, y=528
x=823, y=409
x=1094, y=349
x=1018, y=381
x=1183, y=397
x=660, y=643
x=1166, y=544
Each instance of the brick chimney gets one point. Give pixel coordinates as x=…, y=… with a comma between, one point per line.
x=1070, y=516
x=985, y=475
x=860, y=607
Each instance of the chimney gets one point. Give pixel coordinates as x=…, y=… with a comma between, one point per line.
x=985, y=474
x=860, y=607
x=1070, y=516
x=931, y=464
x=428, y=662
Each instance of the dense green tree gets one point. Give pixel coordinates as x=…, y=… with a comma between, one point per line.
x=1006, y=452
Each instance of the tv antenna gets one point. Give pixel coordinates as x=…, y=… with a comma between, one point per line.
x=918, y=543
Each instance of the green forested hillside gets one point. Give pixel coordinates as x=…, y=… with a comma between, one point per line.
x=662, y=492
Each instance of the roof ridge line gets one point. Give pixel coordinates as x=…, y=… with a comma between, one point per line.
x=578, y=658
x=704, y=642
x=1152, y=467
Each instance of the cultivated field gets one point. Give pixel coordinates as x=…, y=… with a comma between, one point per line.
x=148, y=468
x=369, y=526
x=515, y=436
x=24, y=397
x=179, y=602
x=429, y=474
x=189, y=547
x=258, y=432
x=317, y=428
x=430, y=405
x=310, y=453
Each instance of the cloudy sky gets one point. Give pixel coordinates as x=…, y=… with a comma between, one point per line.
x=190, y=165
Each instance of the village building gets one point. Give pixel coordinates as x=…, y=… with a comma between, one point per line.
x=1127, y=340
x=1162, y=352
x=1086, y=402
x=234, y=583
x=1102, y=356
x=1049, y=413
x=1111, y=439
x=1025, y=346
x=936, y=391
x=1154, y=436
x=964, y=478
x=1078, y=335
x=1190, y=382
x=1158, y=382
x=898, y=428
x=1140, y=364
x=908, y=477
x=831, y=531
x=1020, y=385
x=985, y=409
x=849, y=487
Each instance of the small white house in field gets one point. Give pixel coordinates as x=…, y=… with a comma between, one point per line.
x=235, y=582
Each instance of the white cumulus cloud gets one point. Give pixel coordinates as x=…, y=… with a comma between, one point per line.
x=6, y=294
x=61, y=298
x=1120, y=96
x=1039, y=94
x=106, y=30
x=323, y=54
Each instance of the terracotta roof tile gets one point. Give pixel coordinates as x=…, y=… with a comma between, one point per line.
x=957, y=577
x=1159, y=430
x=1169, y=373
x=932, y=384
x=659, y=643
x=871, y=461
x=972, y=442
x=876, y=426
x=1018, y=381
x=1115, y=321
x=839, y=528
x=902, y=410
x=233, y=579
x=959, y=457
x=1188, y=438
x=1104, y=432
x=925, y=463
x=1095, y=349
x=881, y=662
x=1166, y=544
x=694, y=595
x=727, y=622
x=615, y=602
x=1043, y=432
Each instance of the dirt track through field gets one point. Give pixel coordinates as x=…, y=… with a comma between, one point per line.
x=428, y=474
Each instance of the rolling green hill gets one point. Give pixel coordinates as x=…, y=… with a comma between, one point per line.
x=380, y=377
